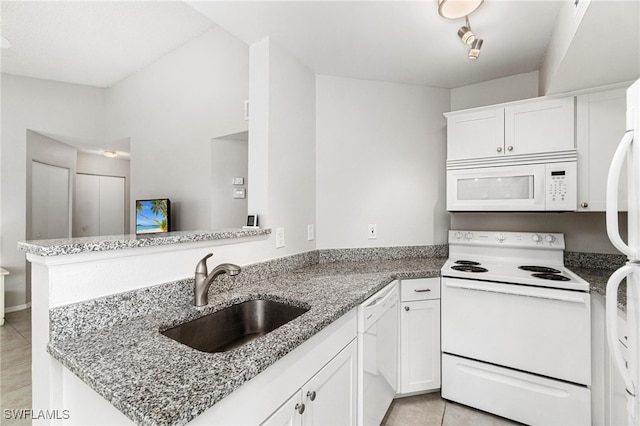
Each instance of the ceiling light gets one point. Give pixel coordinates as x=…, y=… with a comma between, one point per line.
x=474, y=52
x=465, y=33
x=456, y=9
x=110, y=154
x=5, y=43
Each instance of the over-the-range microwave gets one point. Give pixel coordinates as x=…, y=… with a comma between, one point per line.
x=550, y=186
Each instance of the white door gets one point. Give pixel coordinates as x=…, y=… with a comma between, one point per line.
x=330, y=396
x=476, y=134
x=289, y=413
x=420, y=346
x=49, y=201
x=111, y=205
x=99, y=206
x=541, y=126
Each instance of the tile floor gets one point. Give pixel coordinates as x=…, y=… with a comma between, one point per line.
x=431, y=410
x=15, y=365
x=15, y=387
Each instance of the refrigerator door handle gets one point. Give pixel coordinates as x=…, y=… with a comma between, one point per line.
x=611, y=317
x=612, y=195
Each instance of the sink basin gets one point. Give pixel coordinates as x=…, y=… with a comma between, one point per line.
x=234, y=326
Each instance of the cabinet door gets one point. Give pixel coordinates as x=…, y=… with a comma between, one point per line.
x=539, y=126
x=600, y=125
x=420, y=346
x=475, y=134
x=288, y=414
x=330, y=396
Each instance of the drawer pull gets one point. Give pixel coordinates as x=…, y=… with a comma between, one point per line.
x=421, y=290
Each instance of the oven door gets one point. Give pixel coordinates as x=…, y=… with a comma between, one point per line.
x=510, y=188
x=540, y=330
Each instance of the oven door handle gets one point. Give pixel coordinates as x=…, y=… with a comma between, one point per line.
x=519, y=292
x=611, y=317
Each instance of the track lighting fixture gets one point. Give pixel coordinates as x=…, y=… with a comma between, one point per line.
x=466, y=35
x=455, y=9
x=474, y=52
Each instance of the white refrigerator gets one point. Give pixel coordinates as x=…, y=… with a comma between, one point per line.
x=627, y=152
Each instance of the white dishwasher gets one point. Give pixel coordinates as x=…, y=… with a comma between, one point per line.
x=377, y=354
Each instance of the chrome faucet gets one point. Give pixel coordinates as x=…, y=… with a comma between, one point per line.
x=203, y=279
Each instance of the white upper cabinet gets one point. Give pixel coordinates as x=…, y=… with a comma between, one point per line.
x=600, y=126
x=518, y=128
x=475, y=134
x=540, y=126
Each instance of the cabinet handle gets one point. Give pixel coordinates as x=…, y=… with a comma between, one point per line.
x=584, y=205
x=311, y=395
x=406, y=308
x=422, y=290
x=499, y=149
x=299, y=408
x=509, y=148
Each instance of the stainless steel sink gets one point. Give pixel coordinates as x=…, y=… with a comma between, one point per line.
x=234, y=326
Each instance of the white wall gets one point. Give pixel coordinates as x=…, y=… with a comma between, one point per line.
x=229, y=159
x=583, y=232
x=380, y=160
x=282, y=130
x=52, y=108
x=171, y=110
x=512, y=88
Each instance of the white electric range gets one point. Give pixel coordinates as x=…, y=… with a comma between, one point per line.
x=516, y=328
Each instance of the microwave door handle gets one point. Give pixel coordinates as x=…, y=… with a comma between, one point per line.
x=611, y=317
x=613, y=230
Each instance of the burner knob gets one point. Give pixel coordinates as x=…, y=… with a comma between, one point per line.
x=458, y=235
x=501, y=237
x=549, y=238
x=468, y=235
x=536, y=238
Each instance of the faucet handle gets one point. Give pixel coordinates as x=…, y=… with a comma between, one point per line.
x=201, y=267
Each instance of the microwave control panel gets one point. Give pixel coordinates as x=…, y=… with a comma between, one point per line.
x=561, y=186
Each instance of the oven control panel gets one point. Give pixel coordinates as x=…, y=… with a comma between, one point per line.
x=511, y=239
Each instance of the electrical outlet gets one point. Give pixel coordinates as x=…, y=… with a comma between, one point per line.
x=373, y=231
x=279, y=237
x=310, y=233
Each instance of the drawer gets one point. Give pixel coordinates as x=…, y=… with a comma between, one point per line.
x=420, y=289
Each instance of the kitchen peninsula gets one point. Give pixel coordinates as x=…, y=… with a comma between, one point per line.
x=104, y=327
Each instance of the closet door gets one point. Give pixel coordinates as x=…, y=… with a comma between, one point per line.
x=99, y=207
x=111, y=205
x=49, y=201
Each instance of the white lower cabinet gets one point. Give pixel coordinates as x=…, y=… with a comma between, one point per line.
x=419, y=335
x=329, y=398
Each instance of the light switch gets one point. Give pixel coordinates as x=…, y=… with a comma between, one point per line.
x=238, y=181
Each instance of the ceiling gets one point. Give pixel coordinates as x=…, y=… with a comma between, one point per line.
x=94, y=43
x=99, y=43
x=402, y=41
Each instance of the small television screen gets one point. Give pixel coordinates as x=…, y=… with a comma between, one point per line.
x=153, y=216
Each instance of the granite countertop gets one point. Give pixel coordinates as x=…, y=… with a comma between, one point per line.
x=597, y=279
x=157, y=381
x=65, y=246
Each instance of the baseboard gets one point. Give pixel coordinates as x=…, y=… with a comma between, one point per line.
x=17, y=308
